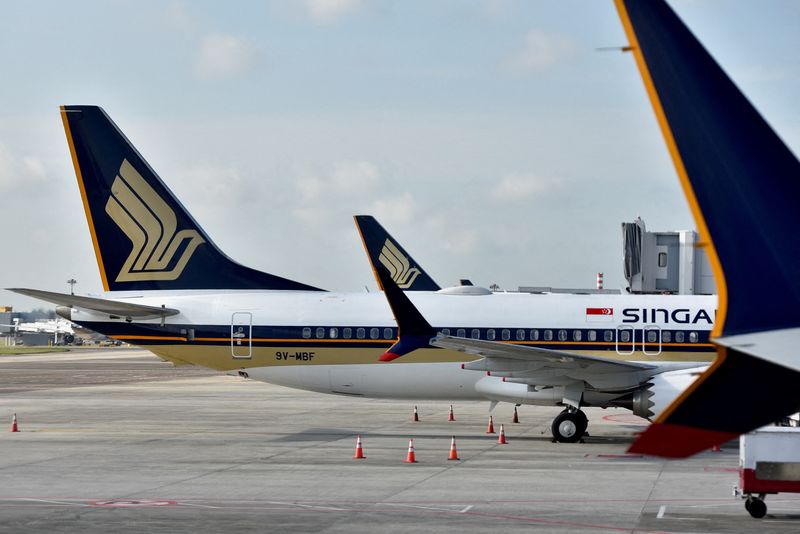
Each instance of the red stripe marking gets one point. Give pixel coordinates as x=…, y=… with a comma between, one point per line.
x=678, y=441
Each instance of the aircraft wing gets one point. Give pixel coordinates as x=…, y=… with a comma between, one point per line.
x=741, y=183
x=105, y=306
x=545, y=367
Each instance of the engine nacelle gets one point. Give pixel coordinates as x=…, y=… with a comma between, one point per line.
x=659, y=392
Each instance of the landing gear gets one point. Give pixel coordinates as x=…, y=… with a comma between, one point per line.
x=569, y=426
x=756, y=506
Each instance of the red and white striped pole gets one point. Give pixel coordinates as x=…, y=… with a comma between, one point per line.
x=599, y=280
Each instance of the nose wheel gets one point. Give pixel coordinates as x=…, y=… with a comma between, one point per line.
x=569, y=426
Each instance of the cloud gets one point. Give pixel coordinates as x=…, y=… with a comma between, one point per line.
x=223, y=56
x=540, y=51
x=20, y=172
x=517, y=187
x=327, y=11
x=399, y=210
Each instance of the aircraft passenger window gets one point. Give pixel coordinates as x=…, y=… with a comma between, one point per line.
x=562, y=335
x=476, y=334
x=666, y=336
x=306, y=332
x=374, y=333
x=320, y=332
x=360, y=333
x=535, y=335
x=490, y=334
x=387, y=333
x=662, y=259
x=334, y=333
x=625, y=336
x=505, y=334
x=679, y=337
x=608, y=336
x=461, y=332
x=576, y=335
x=446, y=331
x=693, y=337
x=651, y=336
x=347, y=333
x=591, y=335
x=548, y=335
x=520, y=335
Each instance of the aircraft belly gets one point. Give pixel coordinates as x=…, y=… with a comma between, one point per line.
x=418, y=381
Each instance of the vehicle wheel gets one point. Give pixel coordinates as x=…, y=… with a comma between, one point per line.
x=568, y=427
x=747, y=504
x=758, y=508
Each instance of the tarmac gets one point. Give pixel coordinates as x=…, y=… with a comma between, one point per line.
x=116, y=440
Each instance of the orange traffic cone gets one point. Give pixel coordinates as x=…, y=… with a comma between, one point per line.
x=410, y=457
x=516, y=417
x=416, y=415
x=359, y=455
x=450, y=416
x=453, y=451
x=502, y=438
x=14, y=427
x=490, y=428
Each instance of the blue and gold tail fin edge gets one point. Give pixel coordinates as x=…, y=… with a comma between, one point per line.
x=143, y=237
x=740, y=180
x=383, y=249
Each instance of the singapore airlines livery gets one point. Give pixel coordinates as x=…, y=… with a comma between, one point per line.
x=171, y=290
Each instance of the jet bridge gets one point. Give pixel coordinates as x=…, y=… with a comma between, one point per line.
x=665, y=262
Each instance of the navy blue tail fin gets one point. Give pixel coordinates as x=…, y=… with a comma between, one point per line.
x=742, y=183
x=143, y=237
x=383, y=249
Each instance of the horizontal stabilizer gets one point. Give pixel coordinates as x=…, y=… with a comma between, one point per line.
x=720, y=405
x=105, y=306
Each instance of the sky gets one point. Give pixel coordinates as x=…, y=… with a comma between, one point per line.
x=490, y=137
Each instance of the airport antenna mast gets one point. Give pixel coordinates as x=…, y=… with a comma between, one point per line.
x=72, y=283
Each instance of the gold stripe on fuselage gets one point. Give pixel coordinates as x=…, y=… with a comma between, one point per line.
x=220, y=358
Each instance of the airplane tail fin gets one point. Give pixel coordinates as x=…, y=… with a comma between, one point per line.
x=741, y=182
x=144, y=239
x=383, y=249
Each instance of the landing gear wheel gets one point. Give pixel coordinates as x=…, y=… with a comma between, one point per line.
x=757, y=507
x=569, y=427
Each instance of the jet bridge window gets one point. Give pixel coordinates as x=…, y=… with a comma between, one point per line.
x=374, y=333
x=490, y=335
x=666, y=336
x=576, y=335
x=562, y=335
x=693, y=337
x=591, y=335
x=307, y=332
x=520, y=335
x=535, y=335
x=679, y=337
x=347, y=333
x=387, y=333
x=548, y=335
x=320, y=333
x=476, y=334
x=334, y=333
x=461, y=332
x=505, y=334
x=361, y=333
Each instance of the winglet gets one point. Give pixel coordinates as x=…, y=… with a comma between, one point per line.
x=414, y=331
x=741, y=182
x=383, y=249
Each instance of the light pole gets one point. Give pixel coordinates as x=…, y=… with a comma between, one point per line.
x=72, y=283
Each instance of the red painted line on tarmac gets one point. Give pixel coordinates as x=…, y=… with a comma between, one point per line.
x=709, y=469
x=626, y=418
